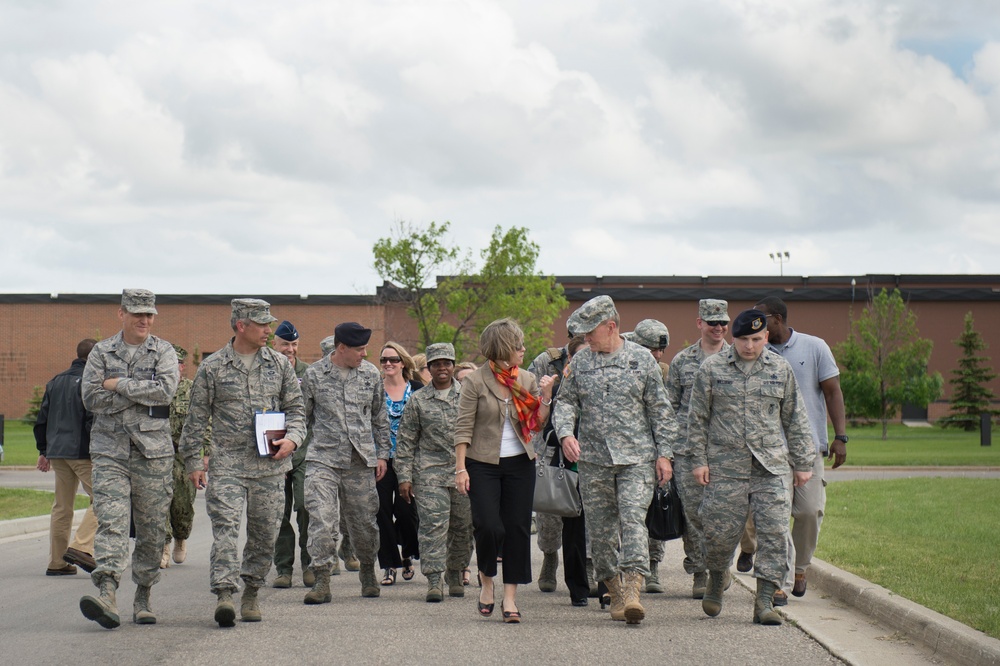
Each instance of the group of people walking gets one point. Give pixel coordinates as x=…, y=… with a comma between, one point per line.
x=440, y=467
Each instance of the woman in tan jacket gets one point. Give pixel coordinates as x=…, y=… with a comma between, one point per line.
x=499, y=409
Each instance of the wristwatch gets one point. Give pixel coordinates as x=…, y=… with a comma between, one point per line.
x=842, y=438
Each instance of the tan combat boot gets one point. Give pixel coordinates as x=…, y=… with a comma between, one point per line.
x=712, y=601
x=225, y=610
x=435, y=593
x=547, y=576
x=320, y=593
x=103, y=609
x=309, y=577
x=763, y=608
x=614, y=585
x=180, y=550
x=142, y=611
x=369, y=583
x=699, y=585
x=165, y=558
x=631, y=584
x=454, y=579
x=249, y=606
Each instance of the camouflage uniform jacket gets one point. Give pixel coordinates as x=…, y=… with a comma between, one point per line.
x=227, y=395
x=179, y=409
x=299, y=456
x=679, y=382
x=425, y=442
x=625, y=417
x=122, y=416
x=345, y=414
x=735, y=417
x=552, y=361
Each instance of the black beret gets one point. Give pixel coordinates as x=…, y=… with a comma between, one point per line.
x=749, y=322
x=286, y=331
x=352, y=334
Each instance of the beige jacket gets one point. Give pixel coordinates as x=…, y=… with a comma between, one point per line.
x=481, y=411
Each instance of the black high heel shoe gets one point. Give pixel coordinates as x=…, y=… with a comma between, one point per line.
x=605, y=601
x=485, y=610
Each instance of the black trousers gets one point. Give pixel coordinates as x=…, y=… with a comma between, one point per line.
x=501, y=497
x=397, y=522
x=574, y=547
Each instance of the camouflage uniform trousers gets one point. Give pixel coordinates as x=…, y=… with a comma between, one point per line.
x=724, y=513
x=140, y=488
x=445, y=530
x=549, y=531
x=615, y=501
x=284, y=547
x=330, y=492
x=226, y=498
x=691, y=493
x=181, y=518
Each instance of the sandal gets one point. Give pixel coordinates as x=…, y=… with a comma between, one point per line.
x=510, y=617
x=408, y=570
x=389, y=577
x=466, y=576
x=485, y=610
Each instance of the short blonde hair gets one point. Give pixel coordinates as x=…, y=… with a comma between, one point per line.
x=501, y=339
x=408, y=365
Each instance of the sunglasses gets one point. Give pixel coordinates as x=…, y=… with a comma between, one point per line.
x=713, y=324
x=390, y=359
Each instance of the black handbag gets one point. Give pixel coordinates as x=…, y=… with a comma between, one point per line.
x=556, y=489
x=665, y=517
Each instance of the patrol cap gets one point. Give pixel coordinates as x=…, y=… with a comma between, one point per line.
x=139, y=301
x=440, y=350
x=328, y=344
x=652, y=334
x=591, y=314
x=713, y=309
x=286, y=331
x=181, y=353
x=629, y=335
x=254, y=309
x=749, y=322
x=352, y=334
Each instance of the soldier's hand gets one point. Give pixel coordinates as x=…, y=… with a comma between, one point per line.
x=406, y=491
x=571, y=448
x=838, y=453
x=701, y=474
x=110, y=384
x=199, y=479
x=43, y=464
x=380, y=468
x=664, y=470
x=286, y=447
x=801, y=478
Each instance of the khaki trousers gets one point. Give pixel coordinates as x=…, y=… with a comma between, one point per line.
x=69, y=475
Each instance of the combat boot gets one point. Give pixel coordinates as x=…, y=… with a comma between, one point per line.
x=335, y=568
x=309, y=578
x=142, y=611
x=249, y=606
x=455, y=586
x=369, y=583
x=653, y=585
x=763, y=608
x=165, y=558
x=103, y=609
x=631, y=584
x=434, y=591
x=547, y=576
x=225, y=610
x=699, y=585
x=591, y=581
x=180, y=550
x=711, y=603
x=614, y=585
x=320, y=593
x=282, y=581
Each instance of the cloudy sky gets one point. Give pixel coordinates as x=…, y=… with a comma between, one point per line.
x=242, y=146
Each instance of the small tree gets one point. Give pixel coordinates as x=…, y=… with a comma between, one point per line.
x=34, y=405
x=885, y=361
x=970, y=397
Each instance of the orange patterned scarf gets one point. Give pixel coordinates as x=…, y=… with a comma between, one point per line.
x=525, y=403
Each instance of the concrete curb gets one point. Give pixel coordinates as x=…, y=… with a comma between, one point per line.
x=947, y=637
x=33, y=524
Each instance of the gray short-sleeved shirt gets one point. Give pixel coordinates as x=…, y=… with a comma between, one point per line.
x=812, y=362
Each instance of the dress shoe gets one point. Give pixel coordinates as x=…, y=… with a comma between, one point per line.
x=799, y=588
x=68, y=570
x=744, y=563
x=81, y=559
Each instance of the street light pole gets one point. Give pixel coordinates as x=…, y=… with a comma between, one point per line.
x=780, y=258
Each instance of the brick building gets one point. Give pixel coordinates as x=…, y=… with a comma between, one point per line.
x=40, y=331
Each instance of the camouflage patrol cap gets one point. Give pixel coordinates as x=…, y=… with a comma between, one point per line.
x=181, y=353
x=652, y=334
x=629, y=335
x=749, y=322
x=328, y=344
x=139, y=301
x=591, y=314
x=712, y=309
x=254, y=309
x=440, y=350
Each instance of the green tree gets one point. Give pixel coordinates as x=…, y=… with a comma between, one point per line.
x=34, y=405
x=885, y=361
x=970, y=397
x=506, y=284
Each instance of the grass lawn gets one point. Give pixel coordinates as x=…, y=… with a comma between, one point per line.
x=932, y=540
x=18, y=444
x=21, y=503
x=919, y=447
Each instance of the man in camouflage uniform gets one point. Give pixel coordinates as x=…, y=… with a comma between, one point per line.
x=425, y=464
x=181, y=517
x=745, y=406
x=654, y=336
x=286, y=341
x=345, y=407
x=127, y=384
x=712, y=323
x=232, y=385
x=627, y=428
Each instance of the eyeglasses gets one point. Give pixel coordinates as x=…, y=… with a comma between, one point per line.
x=713, y=324
x=390, y=359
